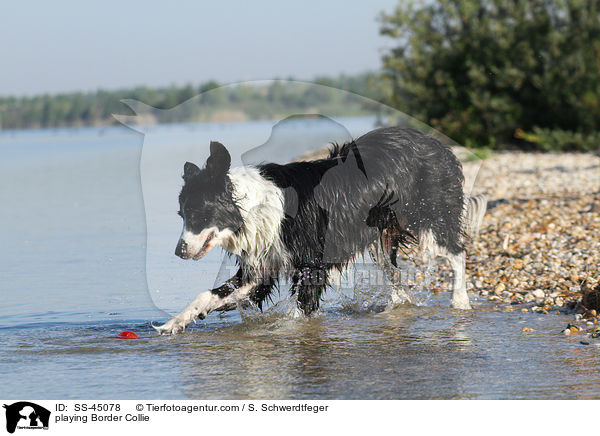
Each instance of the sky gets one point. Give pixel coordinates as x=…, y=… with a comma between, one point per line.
x=60, y=46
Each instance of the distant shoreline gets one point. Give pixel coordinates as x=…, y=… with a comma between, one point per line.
x=217, y=117
x=209, y=102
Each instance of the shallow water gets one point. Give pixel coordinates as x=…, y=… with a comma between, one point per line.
x=411, y=352
x=74, y=272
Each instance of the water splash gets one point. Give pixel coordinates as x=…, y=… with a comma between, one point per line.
x=285, y=308
x=366, y=288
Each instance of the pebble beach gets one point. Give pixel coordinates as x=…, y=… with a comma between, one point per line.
x=538, y=249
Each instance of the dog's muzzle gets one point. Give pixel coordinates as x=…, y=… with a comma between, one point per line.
x=192, y=246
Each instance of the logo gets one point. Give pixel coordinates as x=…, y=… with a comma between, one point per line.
x=26, y=415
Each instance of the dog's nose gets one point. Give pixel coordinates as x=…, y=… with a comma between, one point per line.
x=181, y=249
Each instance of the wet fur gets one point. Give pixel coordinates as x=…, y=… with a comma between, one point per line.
x=392, y=187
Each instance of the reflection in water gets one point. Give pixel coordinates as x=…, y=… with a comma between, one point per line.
x=576, y=362
x=408, y=353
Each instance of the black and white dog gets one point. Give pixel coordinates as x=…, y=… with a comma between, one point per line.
x=384, y=191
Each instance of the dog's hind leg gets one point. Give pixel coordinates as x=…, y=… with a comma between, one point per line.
x=460, y=298
x=475, y=208
x=224, y=297
x=392, y=273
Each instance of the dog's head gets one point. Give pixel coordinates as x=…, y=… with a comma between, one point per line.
x=207, y=205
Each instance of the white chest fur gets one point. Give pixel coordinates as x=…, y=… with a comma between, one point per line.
x=258, y=243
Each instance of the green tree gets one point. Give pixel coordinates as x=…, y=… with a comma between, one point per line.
x=479, y=69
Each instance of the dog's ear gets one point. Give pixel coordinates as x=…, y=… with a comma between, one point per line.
x=190, y=170
x=219, y=161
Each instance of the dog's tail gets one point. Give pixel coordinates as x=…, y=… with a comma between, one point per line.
x=475, y=208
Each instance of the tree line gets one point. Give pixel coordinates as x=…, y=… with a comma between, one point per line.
x=252, y=101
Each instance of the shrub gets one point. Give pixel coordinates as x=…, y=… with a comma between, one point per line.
x=479, y=69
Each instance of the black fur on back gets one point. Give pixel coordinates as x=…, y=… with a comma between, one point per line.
x=392, y=183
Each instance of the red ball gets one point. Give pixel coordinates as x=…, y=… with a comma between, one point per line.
x=127, y=335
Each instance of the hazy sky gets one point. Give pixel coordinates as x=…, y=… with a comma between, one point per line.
x=61, y=45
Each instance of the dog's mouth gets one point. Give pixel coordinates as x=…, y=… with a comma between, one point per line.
x=206, y=246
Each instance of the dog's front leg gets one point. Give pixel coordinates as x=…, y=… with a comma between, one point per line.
x=222, y=298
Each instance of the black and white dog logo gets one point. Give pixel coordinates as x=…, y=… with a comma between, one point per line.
x=26, y=415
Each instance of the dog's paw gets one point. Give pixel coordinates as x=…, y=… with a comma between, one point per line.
x=462, y=304
x=178, y=323
x=172, y=327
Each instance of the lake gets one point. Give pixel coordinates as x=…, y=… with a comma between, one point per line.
x=88, y=233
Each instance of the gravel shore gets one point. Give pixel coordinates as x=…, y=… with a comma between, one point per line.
x=539, y=246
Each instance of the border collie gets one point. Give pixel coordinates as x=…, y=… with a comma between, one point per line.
x=389, y=189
